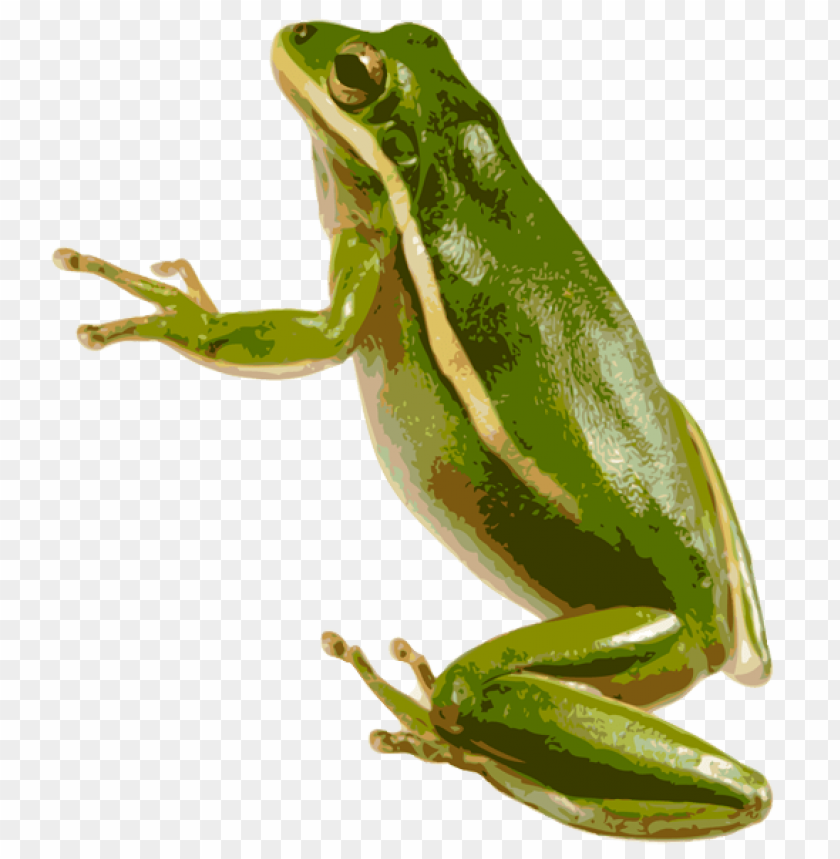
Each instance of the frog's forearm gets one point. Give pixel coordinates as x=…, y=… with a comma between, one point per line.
x=283, y=337
x=267, y=337
x=260, y=343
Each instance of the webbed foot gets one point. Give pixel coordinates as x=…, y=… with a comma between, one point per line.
x=419, y=737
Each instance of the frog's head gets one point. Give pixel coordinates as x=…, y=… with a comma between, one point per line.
x=392, y=111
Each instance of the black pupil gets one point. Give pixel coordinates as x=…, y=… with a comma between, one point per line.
x=352, y=72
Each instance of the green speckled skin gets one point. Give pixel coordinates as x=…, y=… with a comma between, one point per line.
x=617, y=531
x=562, y=360
x=557, y=350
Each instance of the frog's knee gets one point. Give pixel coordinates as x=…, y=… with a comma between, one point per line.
x=760, y=802
x=456, y=693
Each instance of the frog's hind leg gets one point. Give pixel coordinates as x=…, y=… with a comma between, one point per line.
x=402, y=651
x=750, y=662
x=418, y=737
x=598, y=761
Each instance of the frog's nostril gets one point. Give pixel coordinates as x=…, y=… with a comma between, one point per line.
x=303, y=32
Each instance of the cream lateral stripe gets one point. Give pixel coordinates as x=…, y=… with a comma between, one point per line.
x=446, y=347
x=744, y=662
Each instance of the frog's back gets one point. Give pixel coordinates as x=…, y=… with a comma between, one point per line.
x=571, y=378
x=508, y=533
x=566, y=376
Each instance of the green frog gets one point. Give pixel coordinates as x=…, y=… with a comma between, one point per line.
x=516, y=411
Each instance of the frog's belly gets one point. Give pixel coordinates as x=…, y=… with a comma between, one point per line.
x=513, y=539
x=441, y=492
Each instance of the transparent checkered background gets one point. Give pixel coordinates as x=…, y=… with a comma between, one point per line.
x=174, y=542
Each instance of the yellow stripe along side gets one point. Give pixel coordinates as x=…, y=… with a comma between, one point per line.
x=446, y=347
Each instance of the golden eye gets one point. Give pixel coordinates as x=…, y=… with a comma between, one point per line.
x=357, y=77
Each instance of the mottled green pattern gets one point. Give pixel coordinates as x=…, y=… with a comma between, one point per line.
x=425, y=200
x=583, y=745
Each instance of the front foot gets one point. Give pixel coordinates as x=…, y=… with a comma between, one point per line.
x=181, y=319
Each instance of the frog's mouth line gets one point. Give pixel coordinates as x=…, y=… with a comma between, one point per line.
x=316, y=106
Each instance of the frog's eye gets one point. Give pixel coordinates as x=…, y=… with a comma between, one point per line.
x=357, y=77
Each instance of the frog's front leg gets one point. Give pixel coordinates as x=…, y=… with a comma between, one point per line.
x=261, y=344
x=536, y=712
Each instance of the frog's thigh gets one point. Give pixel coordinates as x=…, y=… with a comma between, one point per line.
x=642, y=656
x=583, y=758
